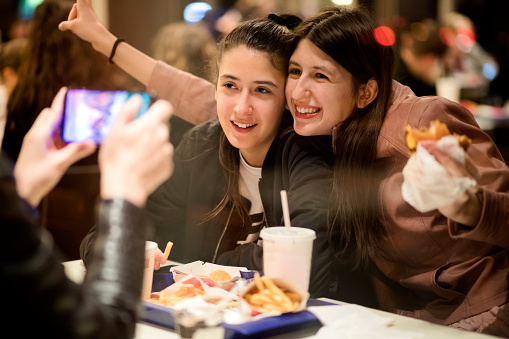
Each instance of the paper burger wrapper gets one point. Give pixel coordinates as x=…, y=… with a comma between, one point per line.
x=212, y=293
x=250, y=310
x=427, y=185
x=203, y=270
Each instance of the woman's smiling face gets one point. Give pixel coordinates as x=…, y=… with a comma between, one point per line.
x=319, y=91
x=250, y=101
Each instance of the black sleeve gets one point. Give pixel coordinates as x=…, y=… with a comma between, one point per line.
x=37, y=289
x=246, y=255
x=167, y=206
x=309, y=187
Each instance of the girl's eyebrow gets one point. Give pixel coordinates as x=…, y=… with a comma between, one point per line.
x=320, y=68
x=259, y=82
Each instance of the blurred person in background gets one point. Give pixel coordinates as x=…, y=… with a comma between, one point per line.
x=11, y=54
x=421, y=55
x=134, y=160
x=54, y=59
x=229, y=13
x=492, y=33
x=467, y=60
x=190, y=48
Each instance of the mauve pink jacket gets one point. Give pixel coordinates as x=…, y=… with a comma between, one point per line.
x=429, y=267
x=193, y=98
x=432, y=268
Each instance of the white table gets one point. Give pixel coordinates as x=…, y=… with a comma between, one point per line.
x=76, y=272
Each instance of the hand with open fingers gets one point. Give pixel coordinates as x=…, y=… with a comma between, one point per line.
x=137, y=156
x=43, y=159
x=84, y=22
x=467, y=209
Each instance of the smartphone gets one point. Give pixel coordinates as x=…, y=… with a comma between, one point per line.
x=90, y=114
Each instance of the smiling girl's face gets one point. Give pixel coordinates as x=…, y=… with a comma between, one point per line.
x=319, y=91
x=250, y=101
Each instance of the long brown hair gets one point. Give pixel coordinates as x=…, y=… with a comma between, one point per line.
x=273, y=36
x=347, y=35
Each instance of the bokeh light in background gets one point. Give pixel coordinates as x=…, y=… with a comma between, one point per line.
x=195, y=11
x=448, y=36
x=342, y=2
x=465, y=40
x=385, y=36
x=490, y=71
x=419, y=31
x=26, y=8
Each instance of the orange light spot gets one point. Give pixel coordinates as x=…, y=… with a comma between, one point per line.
x=447, y=36
x=385, y=36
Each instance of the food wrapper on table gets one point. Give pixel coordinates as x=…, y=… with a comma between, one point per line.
x=273, y=299
x=427, y=185
x=204, y=270
x=189, y=287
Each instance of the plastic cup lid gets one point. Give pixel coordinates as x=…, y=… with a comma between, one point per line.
x=287, y=233
x=150, y=245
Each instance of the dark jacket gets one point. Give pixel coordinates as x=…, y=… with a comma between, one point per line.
x=38, y=298
x=298, y=164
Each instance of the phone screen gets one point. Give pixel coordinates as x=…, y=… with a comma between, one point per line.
x=90, y=114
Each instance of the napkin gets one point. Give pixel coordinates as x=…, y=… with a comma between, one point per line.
x=356, y=322
x=427, y=185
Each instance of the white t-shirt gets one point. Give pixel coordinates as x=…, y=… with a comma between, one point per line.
x=249, y=179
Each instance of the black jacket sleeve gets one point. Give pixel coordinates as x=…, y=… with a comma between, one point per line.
x=38, y=297
x=303, y=167
x=246, y=255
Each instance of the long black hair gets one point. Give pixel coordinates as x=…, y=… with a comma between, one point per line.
x=347, y=35
x=272, y=35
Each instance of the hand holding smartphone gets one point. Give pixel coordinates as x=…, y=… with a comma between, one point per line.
x=90, y=114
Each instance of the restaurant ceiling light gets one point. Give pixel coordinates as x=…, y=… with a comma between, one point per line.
x=342, y=2
x=195, y=11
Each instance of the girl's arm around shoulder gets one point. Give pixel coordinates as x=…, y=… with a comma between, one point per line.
x=309, y=184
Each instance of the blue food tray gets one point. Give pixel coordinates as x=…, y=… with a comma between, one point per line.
x=285, y=323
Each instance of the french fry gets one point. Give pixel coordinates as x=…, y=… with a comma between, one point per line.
x=260, y=299
x=266, y=296
x=167, y=250
x=258, y=282
x=285, y=301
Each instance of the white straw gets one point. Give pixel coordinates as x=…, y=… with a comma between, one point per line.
x=286, y=209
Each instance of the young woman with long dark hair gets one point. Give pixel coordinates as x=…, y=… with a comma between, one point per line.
x=449, y=265
x=229, y=171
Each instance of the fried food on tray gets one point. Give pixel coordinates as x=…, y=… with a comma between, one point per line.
x=266, y=296
x=171, y=299
x=435, y=131
x=220, y=275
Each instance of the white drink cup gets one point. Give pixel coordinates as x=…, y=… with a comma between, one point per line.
x=148, y=271
x=287, y=253
x=448, y=88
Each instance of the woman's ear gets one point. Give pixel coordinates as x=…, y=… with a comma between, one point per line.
x=367, y=93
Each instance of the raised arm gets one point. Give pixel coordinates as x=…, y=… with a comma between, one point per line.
x=85, y=24
x=193, y=98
